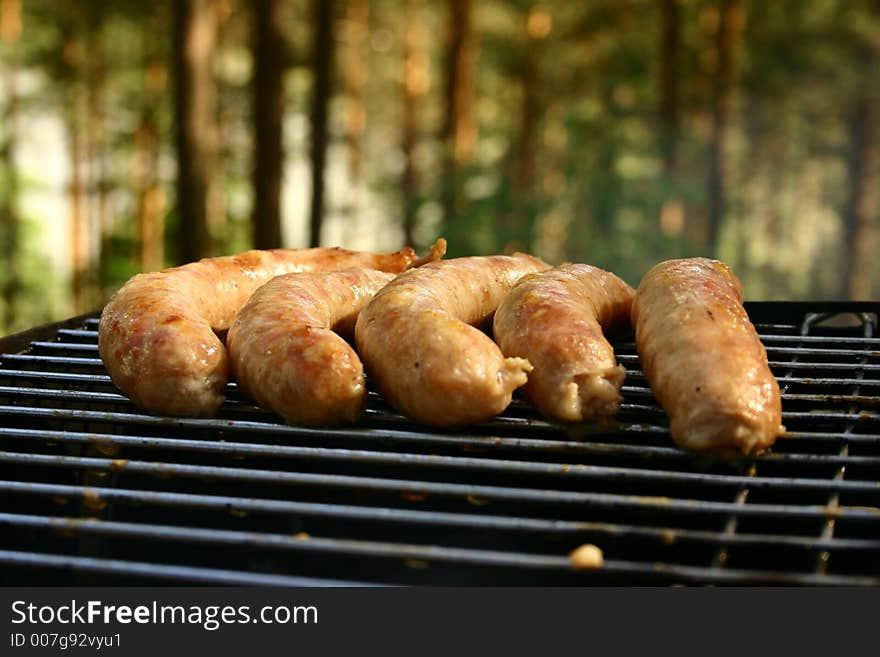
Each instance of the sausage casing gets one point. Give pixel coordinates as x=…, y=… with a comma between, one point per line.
x=704, y=359
x=286, y=350
x=556, y=320
x=419, y=342
x=157, y=334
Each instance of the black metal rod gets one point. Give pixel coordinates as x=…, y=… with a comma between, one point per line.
x=482, y=522
x=461, y=491
x=155, y=571
x=453, y=463
x=634, y=454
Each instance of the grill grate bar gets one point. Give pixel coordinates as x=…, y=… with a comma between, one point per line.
x=632, y=374
x=778, y=365
x=472, y=444
x=65, y=377
x=91, y=396
x=731, y=523
x=66, y=395
x=468, y=444
x=461, y=491
x=412, y=517
x=830, y=436
x=338, y=547
x=389, y=492
x=827, y=532
x=624, y=358
x=637, y=375
x=826, y=381
x=112, y=416
x=610, y=570
x=547, y=469
x=51, y=360
x=769, y=340
x=643, y=391
x=833, y=399
x=824, y=366
x=352, y=548
x=67, y=346
x=154, y=571
x=834, y=499
x=78, y=333
x=794, y=338
x=278, y=428
x=721, y=557
x=632, y=358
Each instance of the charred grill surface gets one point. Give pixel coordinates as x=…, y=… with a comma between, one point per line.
x=93, y=490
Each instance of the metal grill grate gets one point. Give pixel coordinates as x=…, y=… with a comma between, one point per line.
x=94, y=491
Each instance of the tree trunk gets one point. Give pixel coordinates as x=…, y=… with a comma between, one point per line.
x=864, y=177
x=354, y=75
x=151, y=198
x=672, y=215
x=354, y=58
x=195, y=109
x=415, y=86
x=95, y=172
x=72, y=63
x=10, y=31
x=729, y=36
x=80, y=238
x=669, y=49
x=268, y=47
x=526, y=145
x=538, y=24
x=322, y=63
x=459, y=130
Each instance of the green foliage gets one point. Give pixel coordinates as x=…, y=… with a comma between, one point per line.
x=596, y=188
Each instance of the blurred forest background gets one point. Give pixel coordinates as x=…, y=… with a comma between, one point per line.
x=137, y=135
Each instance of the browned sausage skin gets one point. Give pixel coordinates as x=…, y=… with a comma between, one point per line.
x=285, y=348
x=419, y=343
x=156, y=335
x=556, y=320
x=704, y=359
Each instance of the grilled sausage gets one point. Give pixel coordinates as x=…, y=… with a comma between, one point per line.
x=419, y=343
x=156, y=335
x=556, y=320
x=284, y=353
x=704, y=359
